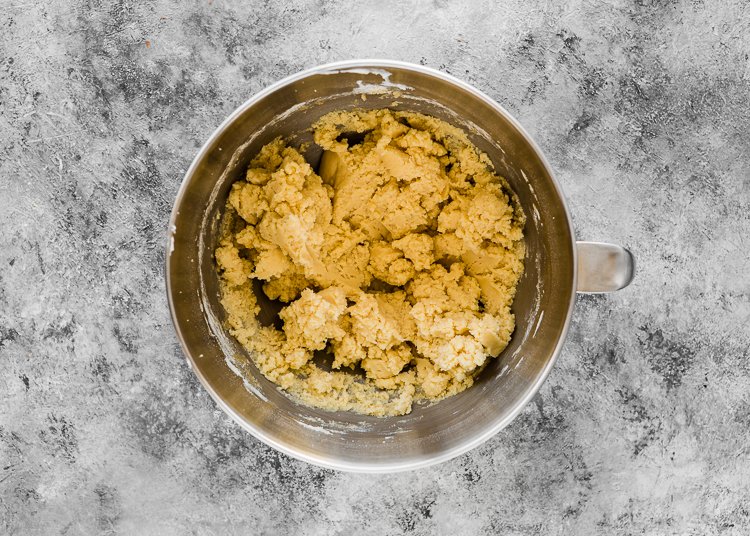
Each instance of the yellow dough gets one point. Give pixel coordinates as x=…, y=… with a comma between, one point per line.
x=399, y=259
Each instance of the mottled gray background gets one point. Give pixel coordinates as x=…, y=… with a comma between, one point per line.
x=642, y=427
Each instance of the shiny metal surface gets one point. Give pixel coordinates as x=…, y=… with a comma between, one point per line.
x=603, y=267
x=432, y=433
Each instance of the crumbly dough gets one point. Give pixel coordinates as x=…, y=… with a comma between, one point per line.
x=398, y=261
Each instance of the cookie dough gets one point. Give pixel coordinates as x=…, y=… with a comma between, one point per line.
x=396, y=263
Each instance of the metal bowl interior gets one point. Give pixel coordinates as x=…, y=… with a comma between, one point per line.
x=431, y=433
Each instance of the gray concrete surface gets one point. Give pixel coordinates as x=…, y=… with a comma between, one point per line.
x=643, y=426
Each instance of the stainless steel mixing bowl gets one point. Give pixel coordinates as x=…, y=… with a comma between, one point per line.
x=556, y=267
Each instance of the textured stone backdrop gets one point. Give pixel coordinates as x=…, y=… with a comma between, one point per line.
x=642, y=108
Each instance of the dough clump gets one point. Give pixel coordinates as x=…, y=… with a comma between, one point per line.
x=396, y=263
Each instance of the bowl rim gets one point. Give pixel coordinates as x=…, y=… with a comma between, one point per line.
x=328, y=462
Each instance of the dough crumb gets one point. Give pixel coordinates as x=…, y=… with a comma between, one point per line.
x=397, y=262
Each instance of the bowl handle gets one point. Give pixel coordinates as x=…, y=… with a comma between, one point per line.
x=603, y=267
